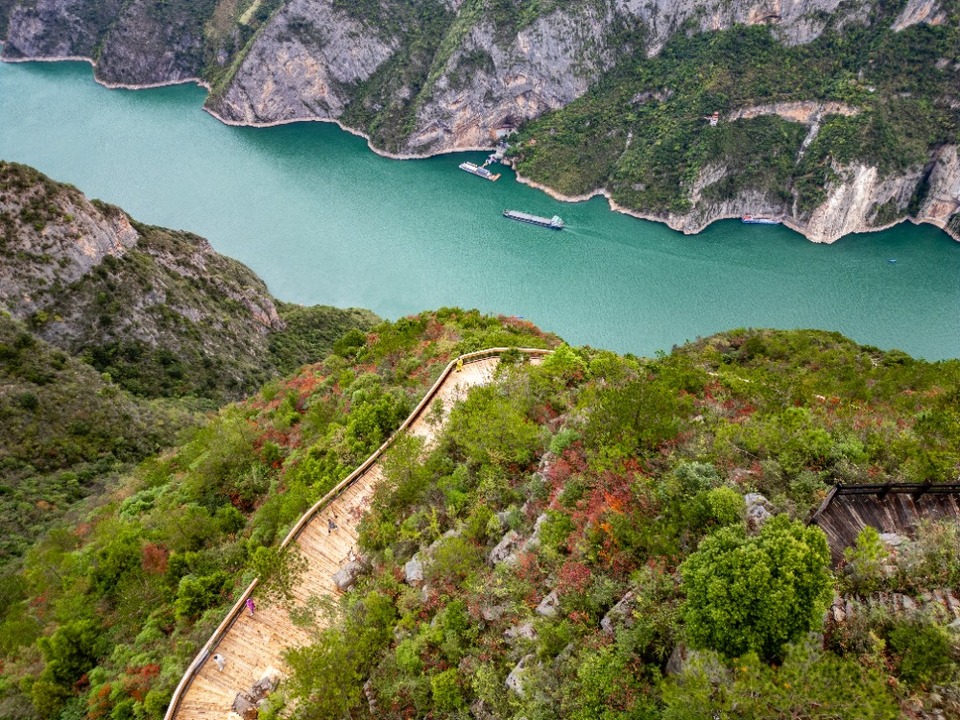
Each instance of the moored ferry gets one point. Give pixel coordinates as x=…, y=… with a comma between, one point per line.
x=479, y=171
x=751, y=220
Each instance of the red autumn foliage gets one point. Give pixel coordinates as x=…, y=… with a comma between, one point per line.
x=433, y=330
x=544, y=414
x=99, y=705
x=571, y=462
x=574, y=577
x=154, y=559
x=138, y=680
x=528, y=569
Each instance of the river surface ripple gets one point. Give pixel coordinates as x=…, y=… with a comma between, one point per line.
x=324, y=220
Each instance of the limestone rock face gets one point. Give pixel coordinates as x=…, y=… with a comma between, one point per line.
x=852, y=203
x=920, y=11
x=477, y=78
x=138, y=43
x=309, y=60
x=145, y=48
x=57, y=28
x=942, y=201
x=303, y=66
x=486, y=85
x=795, y=21
x=82, y=274
x=79, y=236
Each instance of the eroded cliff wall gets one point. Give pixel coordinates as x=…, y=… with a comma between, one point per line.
x=446, y=75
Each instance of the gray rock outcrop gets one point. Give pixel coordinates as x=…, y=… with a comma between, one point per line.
x=524, y=631
x=145, y=47
x=515, y=679
x=550, y=605
x=504, y=550
x=759, y=510
x=58, y=28
x=346, y=577
x=942, y=201
x=303, y=66
x=620, y=615
x=413, y=571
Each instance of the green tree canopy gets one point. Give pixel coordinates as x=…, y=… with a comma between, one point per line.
x=756, y=593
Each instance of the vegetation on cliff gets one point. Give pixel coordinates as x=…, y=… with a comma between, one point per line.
x=642, y=133
x=127, y=590
x=157, y=309
x=571, y=553
x=66, y=434
x=114, y=336
x=607, y=486
x=615, y=94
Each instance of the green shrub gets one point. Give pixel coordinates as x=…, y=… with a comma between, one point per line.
x=810, y=684
x=863, y=569
x=757, y=593
x=923, y=652
x=197, y=593
x=445, y=690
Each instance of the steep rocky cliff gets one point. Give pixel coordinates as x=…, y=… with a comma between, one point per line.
x=136, y=43
x=859, y=198
x=158, y=309
x=58, y=28
x=445, y=75
x=493, y=64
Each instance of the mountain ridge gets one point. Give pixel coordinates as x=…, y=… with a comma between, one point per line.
x=441, y=77
x=159, y=309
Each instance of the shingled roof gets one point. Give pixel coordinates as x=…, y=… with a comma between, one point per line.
x=890, y=508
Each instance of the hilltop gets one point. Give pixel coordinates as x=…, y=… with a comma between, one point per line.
x=544, y=557
x=834, y=117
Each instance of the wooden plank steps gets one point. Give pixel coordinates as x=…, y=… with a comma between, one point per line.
x=941, y=602
x=252, y=645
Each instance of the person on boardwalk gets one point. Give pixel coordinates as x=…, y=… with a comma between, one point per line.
x=331, y=525
x=251, y=608
x=219, y=660
x=459, y=364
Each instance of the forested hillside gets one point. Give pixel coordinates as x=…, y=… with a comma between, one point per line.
x=835, y=117
x=116, y=336
x=556, y=554
x=66, y=434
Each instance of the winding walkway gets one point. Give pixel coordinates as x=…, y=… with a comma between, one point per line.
x=254, y=646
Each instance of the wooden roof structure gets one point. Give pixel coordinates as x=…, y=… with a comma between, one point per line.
x=889, y=507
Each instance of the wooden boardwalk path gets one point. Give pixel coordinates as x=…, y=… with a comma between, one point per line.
x=254, y=646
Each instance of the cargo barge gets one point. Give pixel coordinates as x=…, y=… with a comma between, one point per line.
x=554, y=223
x=479, y=171
x=750, y=220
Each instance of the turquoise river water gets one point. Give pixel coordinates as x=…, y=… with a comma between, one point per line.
x=324, y=220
